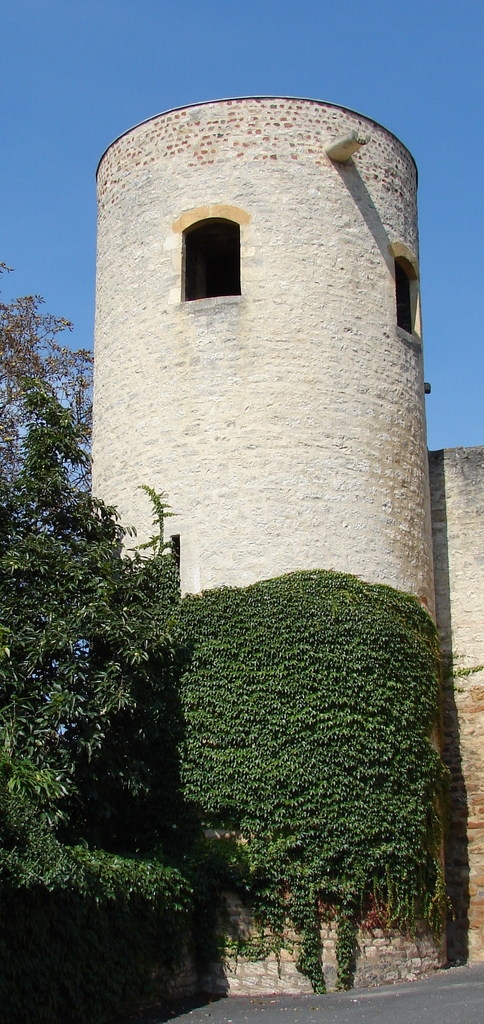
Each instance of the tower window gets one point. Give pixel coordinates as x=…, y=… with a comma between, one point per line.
x=211, y=259
x=176, y=549
x=403, y=296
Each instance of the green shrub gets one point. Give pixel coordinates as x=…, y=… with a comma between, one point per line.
x=82, y=933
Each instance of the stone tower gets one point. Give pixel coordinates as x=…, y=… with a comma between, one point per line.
x=259, y=360
x=258, y=343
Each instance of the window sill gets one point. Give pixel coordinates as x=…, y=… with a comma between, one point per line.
x=212, y=300
x=409, y=337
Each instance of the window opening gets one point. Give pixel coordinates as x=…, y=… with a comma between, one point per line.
x=211, y=251
x=403, y=298
x=176, y=549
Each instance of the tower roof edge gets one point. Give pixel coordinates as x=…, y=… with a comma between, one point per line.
x=237, y=99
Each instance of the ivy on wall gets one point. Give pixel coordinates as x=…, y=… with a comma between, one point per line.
x=309, y=703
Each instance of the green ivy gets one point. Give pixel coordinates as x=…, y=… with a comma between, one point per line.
x=310, y=701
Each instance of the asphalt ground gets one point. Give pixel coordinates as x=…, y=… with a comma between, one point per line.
x=451, y=996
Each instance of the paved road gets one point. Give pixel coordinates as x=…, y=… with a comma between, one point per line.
x=454, y=996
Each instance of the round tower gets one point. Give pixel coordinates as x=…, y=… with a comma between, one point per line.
x=258, y=347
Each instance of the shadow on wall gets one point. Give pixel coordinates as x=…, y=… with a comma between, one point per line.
x=351, y=178
x=353, y=182
x=456, y=849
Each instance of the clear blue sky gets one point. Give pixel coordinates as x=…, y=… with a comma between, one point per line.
x=77, y=73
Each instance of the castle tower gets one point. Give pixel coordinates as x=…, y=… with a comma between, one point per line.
x=258, y=343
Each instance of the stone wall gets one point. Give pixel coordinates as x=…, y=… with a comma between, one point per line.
x=285, y=424
x=457, y=491
x=383, y=957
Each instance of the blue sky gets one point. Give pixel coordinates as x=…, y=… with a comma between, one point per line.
x=76, y=73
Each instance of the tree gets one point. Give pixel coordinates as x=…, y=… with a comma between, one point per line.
x=29, y=349
x=89, y=715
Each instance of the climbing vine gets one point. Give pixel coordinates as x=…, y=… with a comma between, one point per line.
x=309, y=702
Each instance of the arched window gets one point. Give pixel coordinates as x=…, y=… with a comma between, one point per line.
x=404, y=275
x=211, y=259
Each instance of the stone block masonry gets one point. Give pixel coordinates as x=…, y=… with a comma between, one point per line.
x=286, y=424
x=457, y=489
x=382, y=957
